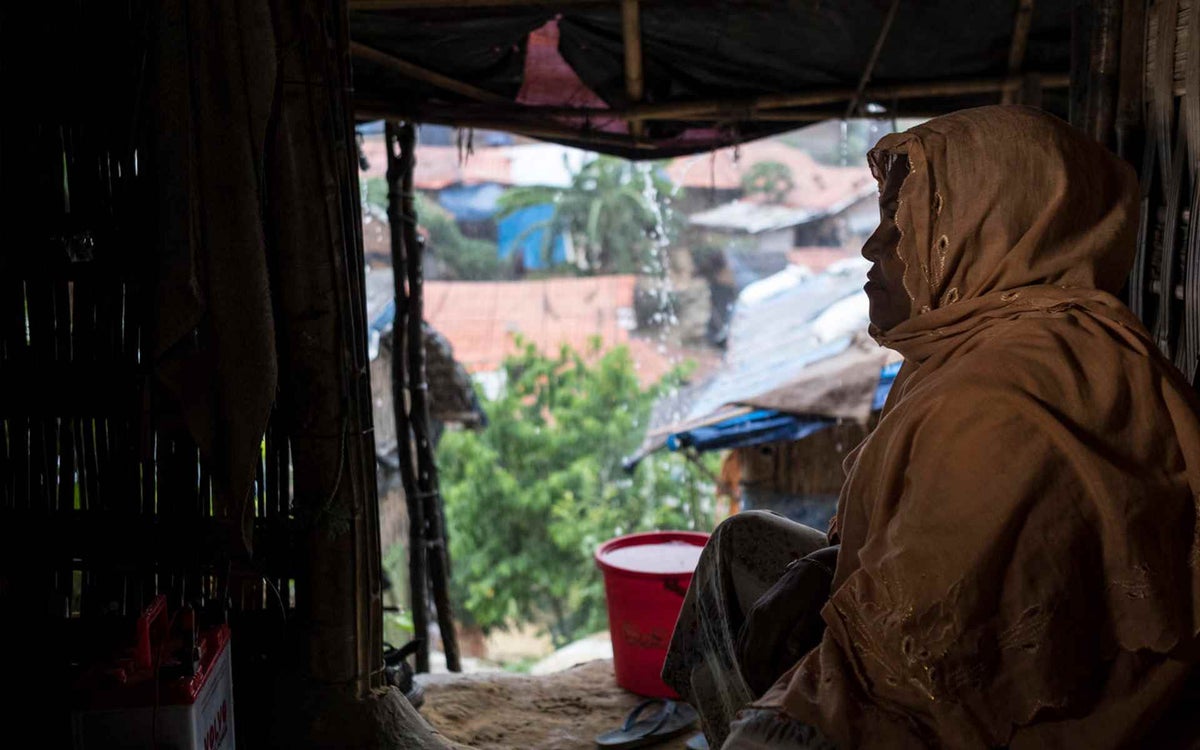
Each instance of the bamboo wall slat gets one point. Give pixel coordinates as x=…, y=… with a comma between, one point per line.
x=85, y=440
x=1165, y=283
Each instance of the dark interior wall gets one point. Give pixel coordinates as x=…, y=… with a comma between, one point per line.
x=94, y=465
x=184, y=397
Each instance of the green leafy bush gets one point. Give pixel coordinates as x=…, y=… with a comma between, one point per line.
x=529, y=498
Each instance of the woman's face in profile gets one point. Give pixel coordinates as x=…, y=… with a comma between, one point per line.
x=890, y=303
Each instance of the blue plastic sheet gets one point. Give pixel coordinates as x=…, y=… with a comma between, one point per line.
x=767, y=426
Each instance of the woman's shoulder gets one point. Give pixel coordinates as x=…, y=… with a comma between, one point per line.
x=1043, y=356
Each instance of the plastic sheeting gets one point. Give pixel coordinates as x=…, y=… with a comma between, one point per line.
x=519, y=232
x=720, y=50
x=768, y=426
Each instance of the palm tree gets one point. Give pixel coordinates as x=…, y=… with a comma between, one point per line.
x=614, y=211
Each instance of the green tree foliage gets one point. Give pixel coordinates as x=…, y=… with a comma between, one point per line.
x=770, y=179
x=465, y=258
x=615, y=211
x=529, y=498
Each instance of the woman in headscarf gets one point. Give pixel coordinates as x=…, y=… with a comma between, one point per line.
x=1019, y=545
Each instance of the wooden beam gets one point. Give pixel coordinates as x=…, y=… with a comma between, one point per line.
x=631, y=39
x=546, y=122
x=547, y=130
x=417, y=73
x=928, y=89
x=457, y=4
x=1020, y=40
x=820, y=115
x=479, y=110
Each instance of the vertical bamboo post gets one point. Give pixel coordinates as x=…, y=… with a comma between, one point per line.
x=1103, y=70
x=426, y=465
x=1129, y=119
x=399, y=211
x=1016, y=50
x=631, y=40
x=1081, y=34
x=313, y=217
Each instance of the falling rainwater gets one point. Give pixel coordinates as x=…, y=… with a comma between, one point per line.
x=657, y=265
x=844, y=142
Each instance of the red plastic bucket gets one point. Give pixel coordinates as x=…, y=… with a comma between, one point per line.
x=644, y=597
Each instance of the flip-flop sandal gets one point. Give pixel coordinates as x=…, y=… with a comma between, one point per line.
x=399, y=674
x=672, y=719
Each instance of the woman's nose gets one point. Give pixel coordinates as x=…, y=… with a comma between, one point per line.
x=870, y=248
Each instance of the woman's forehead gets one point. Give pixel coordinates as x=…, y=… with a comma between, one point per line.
x=893, y=177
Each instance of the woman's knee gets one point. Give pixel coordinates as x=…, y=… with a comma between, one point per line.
x=751, y=523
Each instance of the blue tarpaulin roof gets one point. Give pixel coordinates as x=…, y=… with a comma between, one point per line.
x=515, y=234
x=766, y=425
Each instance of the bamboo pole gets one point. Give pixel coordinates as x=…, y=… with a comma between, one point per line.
x=1129, y=118
x=539, y=122
x=631, y=39
x=1161, y=91
x=1081, y=34
x=1103, y=69
x=744, y=109
x=377, y=5
x=532, y=116
x=416, y=72
x=426, y=465
x=1020, y=40
x=518, y=126
x=399, y=198
x=313, y=231
x=809, y=115
x=856, y=102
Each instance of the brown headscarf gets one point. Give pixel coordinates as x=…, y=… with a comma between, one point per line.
x=1019, y=534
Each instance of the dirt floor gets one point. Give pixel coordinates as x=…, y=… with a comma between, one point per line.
x=559, y=711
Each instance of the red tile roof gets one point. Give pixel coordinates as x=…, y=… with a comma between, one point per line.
x=481, y=318
x=816, y=186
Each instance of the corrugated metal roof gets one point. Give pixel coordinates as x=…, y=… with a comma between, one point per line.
x=752, y=218
x=810, y=326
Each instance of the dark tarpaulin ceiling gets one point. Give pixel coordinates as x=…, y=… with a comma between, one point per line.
x=534, y=68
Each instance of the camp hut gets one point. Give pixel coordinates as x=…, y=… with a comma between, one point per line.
x=798, y=388
x=184, y=381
